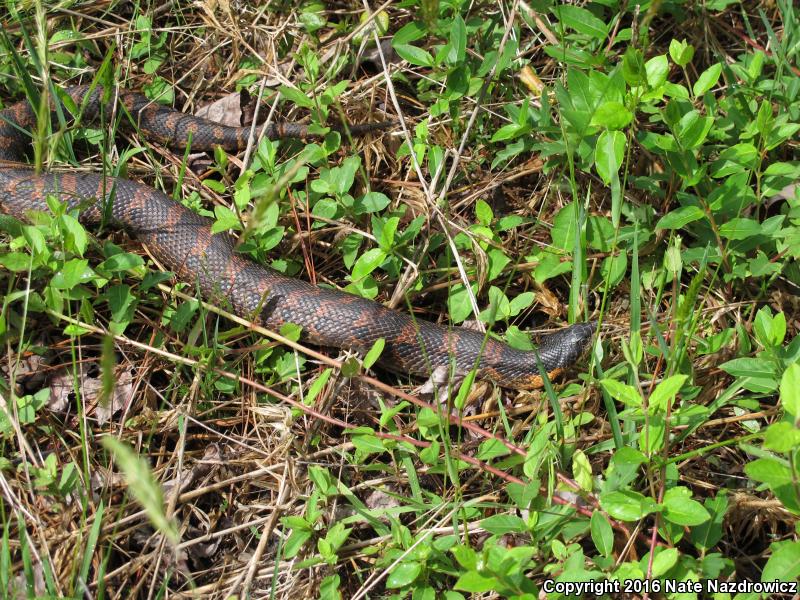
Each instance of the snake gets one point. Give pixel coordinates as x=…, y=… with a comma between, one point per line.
x=183, y=242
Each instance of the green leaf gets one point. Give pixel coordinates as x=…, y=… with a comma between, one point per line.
x=581, y=20
x=564, y=225
x=143, y=486
x=430, y=455
x=657, y=69
x=474, y=582
x=680, y=217
x=790, y=390
x=367, y=263
x=681, y=509
x=681, y=52
x=612, y=115
x=76, y=238
x=316, y=387
x=225, y=219
x=740, y=228
x=16, y=262
x=329, y=588
x=386, y=233
x=123, y=261
x=770, y=471
x=410, y=32
x=627, y=505
x=609, y=153
x=492, y=448
x=120, y=301
x=633, y=68
x=295, y=96
x=502, y=524
x=665, y=392
x=414, y=55
x=374, y=353
x=582, y=470
x=707, y=79
x=623, y=392
x=520, y=303
x=458, y=304
x=707, y=534
x=759, y=374
x=782, y=437
x=602, y=533
x=784, y=564
x=458, y=40
x=484, y=213
x=770, y=331
x=693, y=129
x=405, y=573
x=664, y=560
x=371, y=202
x=73, y=272
x=733, y=159
x=613, y=268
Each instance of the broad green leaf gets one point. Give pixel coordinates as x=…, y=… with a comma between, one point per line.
x=664, y=560
x=458, y=40
x=784, y=564
x=374, y=353
x=609, y=153
x=405, y=573
x=76, y=237
x=680, y=217
x=707, y=534
x=582, y=470
x=371, y=202
x=602, y=533
x=740, y=228
x=770, y=471
x=295, y=96
x=627, y=505
x=410, y=32
x=613, y=268
x=581, y=20
x=707, y=79
x=782, y=437
x=612, y=115
x=681, y=509
x=790, y=390
x=458, y=303
x=225, y=219
x=483, y=212
x=657, y=69
x=681, y=52
x=73, y=272
x=693, y=129
x=474, y=582
x=502, y=524
x=623, y=392
x=367, y=263
x=665, y=392
x=414, y=55
x=633, y=67
x=564, y=225
x=759, y=374
x=120, y=262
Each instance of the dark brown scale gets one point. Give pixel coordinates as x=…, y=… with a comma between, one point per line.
x=183, y=242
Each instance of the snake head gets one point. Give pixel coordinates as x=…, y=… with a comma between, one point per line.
x=561, y=349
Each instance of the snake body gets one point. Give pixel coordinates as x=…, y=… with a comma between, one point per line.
x=182, y=241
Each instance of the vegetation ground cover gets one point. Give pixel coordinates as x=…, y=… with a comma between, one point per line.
x=633, y=164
